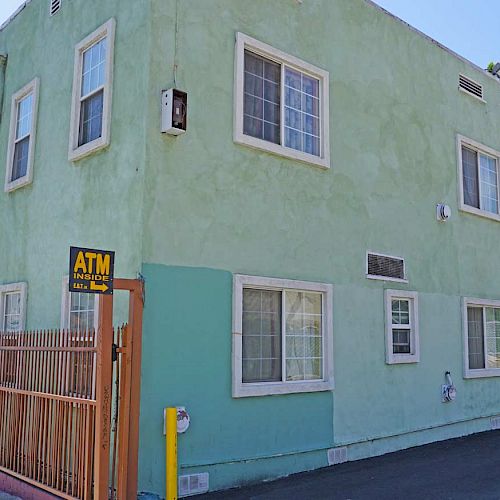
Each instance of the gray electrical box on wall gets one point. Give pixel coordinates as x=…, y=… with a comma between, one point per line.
x=173, y=111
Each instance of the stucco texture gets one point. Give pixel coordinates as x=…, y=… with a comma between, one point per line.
x=394, y=114
x=190, y=211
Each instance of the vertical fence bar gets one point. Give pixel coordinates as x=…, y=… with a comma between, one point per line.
x=103, y=397
x=135, y=338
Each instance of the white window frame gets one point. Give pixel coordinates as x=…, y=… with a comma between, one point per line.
x=385, y=278
x=8, y=288
x=76, y=152
x=66, y=304
x=244, y=42
x=392, y=358
x=479, y=148
x=33, y=89
x=476, y=372
x=241, y=389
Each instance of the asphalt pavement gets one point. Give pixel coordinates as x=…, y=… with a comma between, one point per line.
x=458, y=469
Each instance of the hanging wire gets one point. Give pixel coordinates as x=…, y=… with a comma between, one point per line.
x=176, y=40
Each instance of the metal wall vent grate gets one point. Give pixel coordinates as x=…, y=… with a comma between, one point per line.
x=193, y=484
x=55, y=6
x=470, y=86
x=337, y=455
x=495, y=423
x=385, y=266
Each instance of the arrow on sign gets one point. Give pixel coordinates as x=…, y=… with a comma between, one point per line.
x=101, y=288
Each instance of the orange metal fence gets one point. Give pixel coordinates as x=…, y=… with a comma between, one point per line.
x=48, y=408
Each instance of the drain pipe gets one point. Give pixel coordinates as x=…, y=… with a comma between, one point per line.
x=3, y=66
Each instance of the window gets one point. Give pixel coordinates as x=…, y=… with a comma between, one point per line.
x=402, y=340
x=79, y=310
x=281, y=103
x=19, y=171
x=282, y=336
x=482, y=338
x=79, y=314
x=92, y=90
x=479, y=180
x=12, y=307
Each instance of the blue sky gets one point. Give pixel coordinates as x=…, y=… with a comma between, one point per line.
x=465, y=26
x=7, y=7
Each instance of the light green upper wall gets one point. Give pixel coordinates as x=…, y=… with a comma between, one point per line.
x=94, y=202
x=200, y=201
x=394, y=114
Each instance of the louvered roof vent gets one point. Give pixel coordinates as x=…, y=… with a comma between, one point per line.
x=470, y=86
x=383, y=266
x=55, y=6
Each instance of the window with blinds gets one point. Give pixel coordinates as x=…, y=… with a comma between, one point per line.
x=480, y=179
x=483, y=337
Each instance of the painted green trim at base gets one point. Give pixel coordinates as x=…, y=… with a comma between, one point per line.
x=269, y=468
x=374, y=409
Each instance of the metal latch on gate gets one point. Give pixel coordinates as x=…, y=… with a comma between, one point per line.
x=114, y=352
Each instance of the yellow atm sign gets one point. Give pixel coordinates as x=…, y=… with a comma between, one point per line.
x=90, y=270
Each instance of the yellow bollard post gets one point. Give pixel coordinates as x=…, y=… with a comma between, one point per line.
x=171, y=453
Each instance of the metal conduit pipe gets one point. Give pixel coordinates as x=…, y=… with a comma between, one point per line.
x=3, y=66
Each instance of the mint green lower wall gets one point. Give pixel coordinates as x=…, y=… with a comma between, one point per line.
x=187, y=362
x=374, y=409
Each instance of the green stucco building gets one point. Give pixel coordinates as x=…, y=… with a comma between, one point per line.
x=319, y=247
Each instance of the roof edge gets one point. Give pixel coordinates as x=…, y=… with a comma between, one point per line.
x=474, y=66
x=14, y=15
x=369, y=2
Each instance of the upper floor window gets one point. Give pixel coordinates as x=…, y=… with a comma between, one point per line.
x=282, y=340
x=19, y=171
x=92, y=89
x=482, y=338
x=281, y=103
x=479, y=179
x=12, y=307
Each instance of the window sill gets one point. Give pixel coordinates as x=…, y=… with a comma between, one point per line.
x=269, y=388
x=385, y=278
x=18, y=183
x=88, y=149
x=479, y=213
x=393, y=359
x=278, y=150
x=472, y=95
x=482, y=373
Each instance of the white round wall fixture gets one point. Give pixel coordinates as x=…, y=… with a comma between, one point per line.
x=443, y=212
x=183, y=420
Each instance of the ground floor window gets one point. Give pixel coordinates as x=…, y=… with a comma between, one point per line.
x=482, y=342
x=78, y=310
x=12, y=307
x=282, y=339
x=402, y=339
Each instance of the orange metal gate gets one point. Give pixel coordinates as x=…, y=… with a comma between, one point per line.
x=56, y=391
